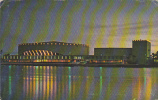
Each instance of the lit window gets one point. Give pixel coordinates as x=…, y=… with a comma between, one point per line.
x=65, y=57
x=20, y=57
x=69, y=57
x=59, y=43
x=51, y=43
x=63, y=43
x=54, y=57
x=67, y=44
x=47, y=43
x=58, y=57
x=17, y=57
x=3, y=57
x=55, y=43
x=10, y=57
x=62, y=57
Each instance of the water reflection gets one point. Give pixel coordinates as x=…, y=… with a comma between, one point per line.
x=78, y=83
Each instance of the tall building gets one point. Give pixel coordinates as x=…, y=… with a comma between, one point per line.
x=141, y=50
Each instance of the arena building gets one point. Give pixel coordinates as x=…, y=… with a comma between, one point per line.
x=53, y=48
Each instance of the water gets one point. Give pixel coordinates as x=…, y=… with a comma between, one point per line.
x=78, y=83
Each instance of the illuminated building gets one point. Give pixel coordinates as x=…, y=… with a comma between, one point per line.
x=67, y=52
x=53, y=48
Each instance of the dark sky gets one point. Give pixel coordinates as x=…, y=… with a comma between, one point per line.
x=99, y=23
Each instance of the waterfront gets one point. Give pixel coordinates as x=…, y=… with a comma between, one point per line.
x=78, y=83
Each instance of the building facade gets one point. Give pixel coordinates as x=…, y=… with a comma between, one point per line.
x=113, y=53
x=141, y=50
x=53, y=48
x=138, y=54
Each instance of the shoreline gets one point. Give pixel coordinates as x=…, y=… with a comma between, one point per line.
x=84, y=65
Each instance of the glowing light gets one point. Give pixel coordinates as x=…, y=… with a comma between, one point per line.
x=10, y=80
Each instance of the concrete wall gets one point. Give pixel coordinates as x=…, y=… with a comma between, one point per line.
x=59, y=47
x=141, y=50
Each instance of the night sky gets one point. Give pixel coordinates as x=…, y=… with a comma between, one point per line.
x=99, y=23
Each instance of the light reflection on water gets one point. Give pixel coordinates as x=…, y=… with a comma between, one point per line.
x=78, y=83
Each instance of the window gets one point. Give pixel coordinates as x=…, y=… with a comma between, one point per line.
x=54, y=57
x=79, y=57
x=75, y=57
x=65, y=57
